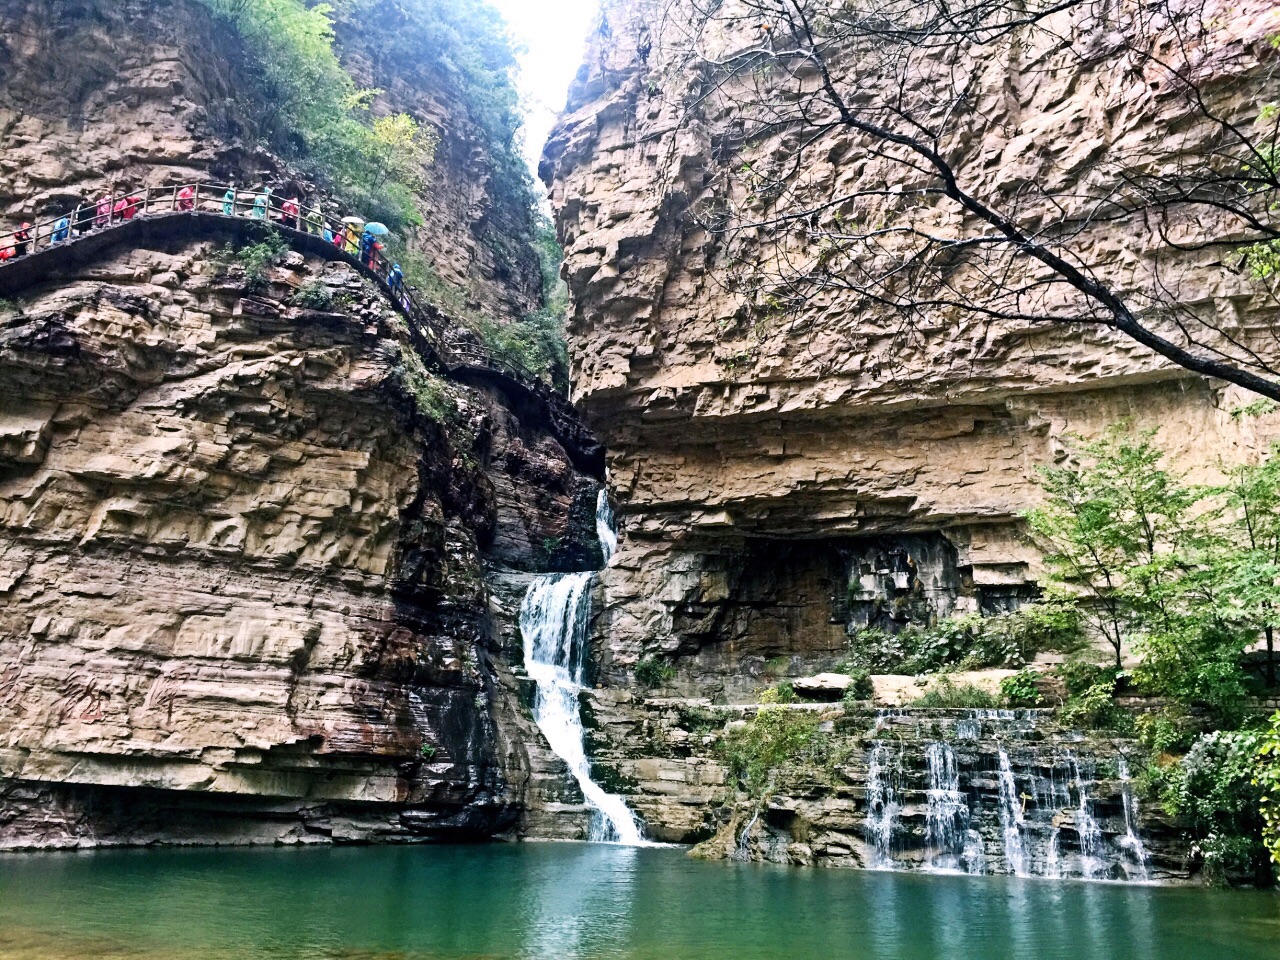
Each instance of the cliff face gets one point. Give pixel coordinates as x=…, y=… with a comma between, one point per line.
x=243, y=543
x=237, y=560
x=102, y=96
x=761, y=458
x=475, y=228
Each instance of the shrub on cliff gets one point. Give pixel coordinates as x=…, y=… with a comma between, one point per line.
x=1268, y=781
x=653, y=672
x=970, y=641
x=948, y=695
x=775, y=737
x=1216, y=790
x=255, y=260
x=314, y=113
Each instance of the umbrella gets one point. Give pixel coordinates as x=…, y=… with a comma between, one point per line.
x=377, y=229
x=354, y=221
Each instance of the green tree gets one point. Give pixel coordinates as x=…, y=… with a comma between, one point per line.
x=1120, y=530
x=315, y=114
x=1250, y=570
x=1267, y=778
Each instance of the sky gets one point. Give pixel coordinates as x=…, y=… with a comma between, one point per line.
x=554, y=33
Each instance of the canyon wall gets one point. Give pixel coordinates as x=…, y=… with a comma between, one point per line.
x=246, y=544
x=770, y=463
x=785, y=475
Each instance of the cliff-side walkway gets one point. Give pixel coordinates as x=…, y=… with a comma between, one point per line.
x=160, y=220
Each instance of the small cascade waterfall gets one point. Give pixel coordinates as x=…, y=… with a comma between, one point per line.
x=554, y=621
x=884, y=805
x=1053, y=855
x=606, y=527
x=743, y=850
x=947, y=833
x=946, y=791
x=1092, y=844
x=1137, y=863
x=1011, y=818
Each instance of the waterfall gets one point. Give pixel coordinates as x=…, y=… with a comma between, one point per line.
x=883, y=806
x=554, y=619
x=1015, y=852
x=743, y=850
x=1092, y=863
x=947, y=816
x=606, y=528
x=1053, y=856
x=1137, y=865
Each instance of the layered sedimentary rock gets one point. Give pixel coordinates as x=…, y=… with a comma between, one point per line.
x=243, y=569
x=786, y=476
x=779, y=470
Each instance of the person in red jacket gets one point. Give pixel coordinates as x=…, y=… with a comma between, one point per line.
x=22, y=241
x=186, y=199
x=290, y=210
x=127, y=207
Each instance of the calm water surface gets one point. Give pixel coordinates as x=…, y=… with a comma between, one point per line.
x=573, y=902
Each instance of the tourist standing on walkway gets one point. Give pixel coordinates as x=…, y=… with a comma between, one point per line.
x=229, y=202
x=186, y=199
x=262, y=206
x=352, y=237
x=103, y=219
x=290, y=210
x=126, y=208
x=82, y=219
x=22, y=241
x=61, y=231
x=313, y=219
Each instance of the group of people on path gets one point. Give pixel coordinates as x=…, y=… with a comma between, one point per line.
x=353, y=235
x=89, y=215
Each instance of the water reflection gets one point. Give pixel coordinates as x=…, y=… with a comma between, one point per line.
x=589, y=902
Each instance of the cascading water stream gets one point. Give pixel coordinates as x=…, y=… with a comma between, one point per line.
x=553, y=621
x=883, y=806
x=1092, y=844
x=947, y=814
x=1015, y=851
x=1137, y=865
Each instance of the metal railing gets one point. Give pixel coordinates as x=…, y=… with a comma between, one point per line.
x=107, y=213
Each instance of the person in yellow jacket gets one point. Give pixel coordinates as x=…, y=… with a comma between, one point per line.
x=351, y=238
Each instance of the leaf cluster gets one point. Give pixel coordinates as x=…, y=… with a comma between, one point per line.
x=948, y=695
x=654, y=672
x=1216, y=790
x=775, y=737
x=970, y=641
x=1184, y=575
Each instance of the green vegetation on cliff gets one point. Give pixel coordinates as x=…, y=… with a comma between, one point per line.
x=315, y=115
x=1180, y=580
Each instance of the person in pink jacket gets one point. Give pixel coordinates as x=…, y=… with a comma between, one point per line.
x=104, y=211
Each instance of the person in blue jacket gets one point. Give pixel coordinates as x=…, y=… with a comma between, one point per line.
x=61, y=231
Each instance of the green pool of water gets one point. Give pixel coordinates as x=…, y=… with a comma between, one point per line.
x=571, y=901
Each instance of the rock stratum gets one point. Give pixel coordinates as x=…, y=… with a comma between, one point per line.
x=244, y=543
x=762, y=466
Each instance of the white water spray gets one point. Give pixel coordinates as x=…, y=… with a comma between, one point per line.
x=1138, y=863
x=883, y=806
x=1015, y=851
x=947, y=814
x=553, y=621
